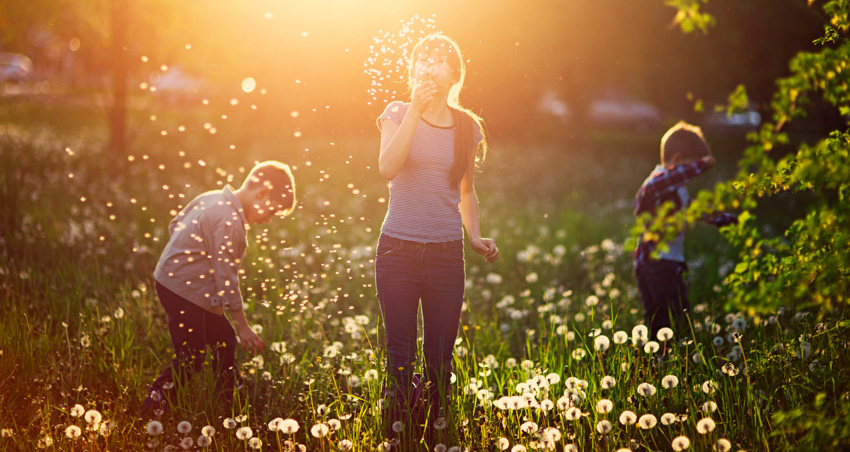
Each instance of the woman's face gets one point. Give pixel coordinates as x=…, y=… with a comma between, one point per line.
x=433, y=65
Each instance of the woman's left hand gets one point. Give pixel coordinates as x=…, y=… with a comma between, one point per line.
x=486, y=248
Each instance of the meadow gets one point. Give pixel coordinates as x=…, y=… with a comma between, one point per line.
x=551, y=355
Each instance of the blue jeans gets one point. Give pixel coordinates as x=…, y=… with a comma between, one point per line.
x=408, y=273
x=664, y=294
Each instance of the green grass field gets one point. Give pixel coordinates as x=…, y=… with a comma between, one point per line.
x=550, y=355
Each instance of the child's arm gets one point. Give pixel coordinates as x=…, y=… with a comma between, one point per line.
x=396, y=138
x=669, y=182
x=469, y=214
x=250, y=340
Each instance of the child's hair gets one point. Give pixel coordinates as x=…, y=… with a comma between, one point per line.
x=464, y=119
x=278, y=177
x=684, y=139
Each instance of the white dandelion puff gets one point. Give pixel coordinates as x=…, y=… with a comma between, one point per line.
x=646, y=389
x=705, y=425
x=628, y=417
x=722, y=445
x=184, y=427
x=208, y=431
x=229, y=423
x=651, y=347
x=604, y=406
x=604, y=427
x=154, y=428
x=255, y=443
x=608, y=382
x=77, y=410
x=73, y=432
x=244, y=433
x=647, y=421
x=321, y=429
x=93, y=417
x=669, y=382
x=680, y=443
x=668, y=419
x=621, y=337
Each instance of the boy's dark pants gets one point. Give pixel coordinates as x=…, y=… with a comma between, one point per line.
x=663, y=292
x=192, y=329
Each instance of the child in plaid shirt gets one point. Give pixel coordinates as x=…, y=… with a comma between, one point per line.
x=660, y=272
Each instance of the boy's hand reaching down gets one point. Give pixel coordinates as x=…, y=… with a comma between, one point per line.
x=249, y=339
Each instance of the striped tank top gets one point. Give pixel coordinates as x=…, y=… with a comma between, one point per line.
x=423, y=206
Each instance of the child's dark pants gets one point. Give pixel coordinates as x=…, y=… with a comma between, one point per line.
x=192, y=329
x=663, y=292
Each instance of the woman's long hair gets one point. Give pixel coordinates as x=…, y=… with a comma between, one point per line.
x=464, y=119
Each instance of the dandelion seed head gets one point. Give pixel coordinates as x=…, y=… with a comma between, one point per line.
x=154, y=428
x=208, y=431
x=647, y=421
x=229, y=423
x=187, y=443
x=255, y=443
x=77, y=410
x=646, y=389
x=705, y=425
x=680, y=443
x=668, y=419
x=722, y=445
x=244, y=433
x=93, y=417
x=184, y=427
x=604, y=427
x=669, y=382
x=608, y=382
x=73, y=432
x=604, y=406
x=321, y=430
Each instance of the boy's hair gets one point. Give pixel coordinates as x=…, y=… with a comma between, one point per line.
x=683, y=139
x=278, y=177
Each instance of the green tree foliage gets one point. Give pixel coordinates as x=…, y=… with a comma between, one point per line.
x=807, y=264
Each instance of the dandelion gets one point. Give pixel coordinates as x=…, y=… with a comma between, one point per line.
x=705, y=425
x=208, y=431
x=93, y=417
x=510, y=363
x=717, y=341
x=439, y=424
x=203, y=441
x=187, y=443
x=553, y=434
x=503, y=443
x=621, y=337
x=154, y=428
x=651, y=347
x=85, y=341
x=668, y=419
x=45, y=441
x=730, y=369
x=709, y=407
x=669, y=382
x=628, y=417
x=244, y=433
x=709, y=387
x=570, y=448
x=73, y=432
x=184, y=427
x=608, y=382
x=385, y=446
x=739, y=325
x=398, y=427
x=531, y=278
x=345, y=445
x=640, y=334
x=680, y=443
x=440, y=448
x=647, y=421
x=572, y=413
x=646, y=389
x=601, y=343
x=274, y=424
x=604, y=427
x=722, y=445
x=529, y=428
x=805, y=350
x=604, y=406
x=553, y=378
x=579, y=354
x=592, y=300
x=255, y=443
x=494, y=278
x=321, y=429
x=664, y=334
x=519, y=448
x=77, y=410
x=334, y=424
x=370, y=375
x=229, y=423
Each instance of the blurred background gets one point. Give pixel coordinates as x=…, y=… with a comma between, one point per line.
x=548, y=69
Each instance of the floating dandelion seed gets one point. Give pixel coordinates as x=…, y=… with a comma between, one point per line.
x=705, y=425
x=604, y=406
x=249, y=84
x=680, y=443
x=628, y=417
x=154, y=428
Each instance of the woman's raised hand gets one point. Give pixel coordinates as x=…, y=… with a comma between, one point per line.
x=423, y=94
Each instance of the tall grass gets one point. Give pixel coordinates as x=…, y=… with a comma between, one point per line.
x=83, y=230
